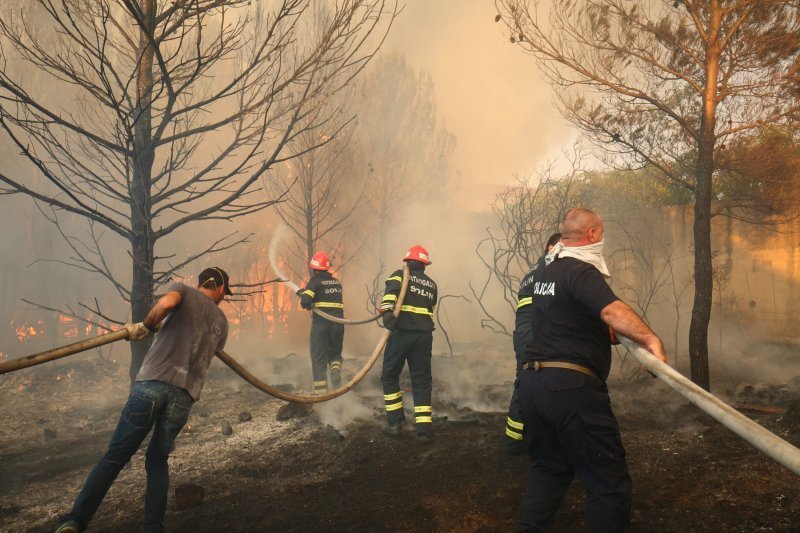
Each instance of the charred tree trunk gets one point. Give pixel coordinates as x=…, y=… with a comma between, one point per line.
x=701, y=310
x=791, y=419
x=140, y=201
x=703, y=268
x=309, y=216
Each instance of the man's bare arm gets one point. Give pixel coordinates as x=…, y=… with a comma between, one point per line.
x=161, y=309
x=624, y=320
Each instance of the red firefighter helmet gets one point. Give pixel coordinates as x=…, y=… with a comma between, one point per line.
x=320, y=261
x=417, y=253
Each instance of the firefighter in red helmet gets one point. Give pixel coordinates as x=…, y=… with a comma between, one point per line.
x=324, y=292
x=411, y=340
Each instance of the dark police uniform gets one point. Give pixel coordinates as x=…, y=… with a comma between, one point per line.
x=523, y=332
x=576, y=432
x=412, y=340
x=324, y=292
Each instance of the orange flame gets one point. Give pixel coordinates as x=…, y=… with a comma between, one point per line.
x=25, y=331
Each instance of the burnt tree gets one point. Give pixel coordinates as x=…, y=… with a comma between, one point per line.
x=154, y=116
x=524, y=216
x=665, y=84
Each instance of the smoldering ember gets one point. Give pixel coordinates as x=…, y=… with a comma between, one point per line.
x=424, y=252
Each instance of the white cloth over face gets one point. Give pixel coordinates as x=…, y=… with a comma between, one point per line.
x=590, y=253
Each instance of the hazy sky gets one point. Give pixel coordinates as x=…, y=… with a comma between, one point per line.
x=490, y=94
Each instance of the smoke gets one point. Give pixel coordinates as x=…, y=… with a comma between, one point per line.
x=344, y=410
x=277, y=239
x=482, y=381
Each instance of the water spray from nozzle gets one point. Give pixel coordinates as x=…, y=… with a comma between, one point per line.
x=277, y=238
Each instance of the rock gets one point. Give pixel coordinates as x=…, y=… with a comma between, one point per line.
x=188, y=496
x=294, y=410
x=226, y=429
x=334, y=433
x=49, y=434
x=245, y=416
x=201, y=411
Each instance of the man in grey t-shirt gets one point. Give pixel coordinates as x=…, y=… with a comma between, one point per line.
x=192, y=329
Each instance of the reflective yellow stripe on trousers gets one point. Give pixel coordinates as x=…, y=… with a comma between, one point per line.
x=423, y=414
x=391, y=400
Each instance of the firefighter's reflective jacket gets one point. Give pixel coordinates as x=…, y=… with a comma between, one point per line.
x=323, y=292
x=523, y=331
x=416, y=313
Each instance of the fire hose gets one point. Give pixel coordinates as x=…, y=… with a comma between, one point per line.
x=346, y=321
x=100, y=340
x=757, y=435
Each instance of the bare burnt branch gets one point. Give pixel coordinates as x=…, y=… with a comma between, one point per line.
x=160, y=278
x=490, y=321
x=439, y=320
x=70, y=313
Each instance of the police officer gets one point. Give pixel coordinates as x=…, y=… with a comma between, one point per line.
x=562, y=386
x=522, y=336
x=412, y=340
x=324, y=292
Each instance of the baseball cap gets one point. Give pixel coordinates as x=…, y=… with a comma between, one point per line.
x=218, y=276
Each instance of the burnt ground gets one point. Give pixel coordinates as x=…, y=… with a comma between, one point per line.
x=335, y=471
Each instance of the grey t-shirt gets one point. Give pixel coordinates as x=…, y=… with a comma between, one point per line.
x=186, y=342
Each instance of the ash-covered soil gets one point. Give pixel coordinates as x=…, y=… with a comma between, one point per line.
x=335, y=471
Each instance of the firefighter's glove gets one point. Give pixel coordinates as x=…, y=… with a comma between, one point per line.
x=389, y=320
x=138, y=331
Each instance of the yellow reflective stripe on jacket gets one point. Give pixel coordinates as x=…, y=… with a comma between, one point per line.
x=423, y=409
x=395, y=278
x=417, y=310
x=394, y=406
x=525, y=301
x=329, y=304
x=514, y=424
x=389, y=298
x=309, y=292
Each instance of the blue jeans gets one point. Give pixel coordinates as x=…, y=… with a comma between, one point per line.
x=152, y=404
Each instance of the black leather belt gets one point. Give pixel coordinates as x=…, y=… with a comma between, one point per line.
x=538, y=365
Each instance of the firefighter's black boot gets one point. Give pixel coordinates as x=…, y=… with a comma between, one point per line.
x=336, y=374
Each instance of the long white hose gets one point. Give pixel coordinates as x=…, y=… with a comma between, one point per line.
x=757, y=435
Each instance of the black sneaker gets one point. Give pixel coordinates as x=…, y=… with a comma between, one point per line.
x=70, y=526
